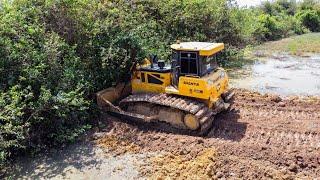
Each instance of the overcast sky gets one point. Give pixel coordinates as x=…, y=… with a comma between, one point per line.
x=253, y=2
x=249, y=2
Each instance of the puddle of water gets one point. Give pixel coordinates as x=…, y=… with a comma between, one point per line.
x=280, y=74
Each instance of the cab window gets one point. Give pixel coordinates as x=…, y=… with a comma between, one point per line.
x=208, y=64
x=188, y=63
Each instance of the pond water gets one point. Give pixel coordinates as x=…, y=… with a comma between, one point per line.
x=281, y=74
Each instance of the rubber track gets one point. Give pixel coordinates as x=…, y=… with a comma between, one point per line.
x=199, y=109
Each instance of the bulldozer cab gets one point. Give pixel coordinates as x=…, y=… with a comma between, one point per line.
x=195, y=59
x=186, y=94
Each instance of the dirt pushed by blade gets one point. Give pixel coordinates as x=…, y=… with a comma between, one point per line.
x=117, y=145
x=262, y=136
x=169, y=165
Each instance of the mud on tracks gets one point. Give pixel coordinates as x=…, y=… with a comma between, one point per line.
x=262, y=136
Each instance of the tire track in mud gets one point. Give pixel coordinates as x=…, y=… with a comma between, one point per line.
x=283, y=123
x=261, y=136
x=261, y=114
x=283, y=139
x=287, y=131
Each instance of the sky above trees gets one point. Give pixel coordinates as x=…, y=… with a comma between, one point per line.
x=252, y=2
x=248, y=2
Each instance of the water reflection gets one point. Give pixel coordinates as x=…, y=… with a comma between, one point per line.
x=282, y=74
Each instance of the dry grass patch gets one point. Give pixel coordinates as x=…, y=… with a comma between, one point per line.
x=296, y=45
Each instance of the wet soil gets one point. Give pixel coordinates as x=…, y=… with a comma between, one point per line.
x=261, y=136
x=82, y=160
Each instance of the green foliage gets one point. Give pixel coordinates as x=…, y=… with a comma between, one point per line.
x=43, y=85
x=270, y=28
x=310, y=19
x=279, y=6
x=283, y=18
x=309, y=5
x=55, y=54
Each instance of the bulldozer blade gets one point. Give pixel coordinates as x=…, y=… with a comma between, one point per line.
x=106, y=99
x=113, y=94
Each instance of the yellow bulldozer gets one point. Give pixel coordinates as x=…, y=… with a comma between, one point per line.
x=187, y=93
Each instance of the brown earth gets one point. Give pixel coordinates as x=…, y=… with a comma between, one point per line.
x=179, y=166
x=261, y=136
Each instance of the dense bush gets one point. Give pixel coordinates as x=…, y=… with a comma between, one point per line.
x=55, y=54
x=43, y=85
x=283, y=18
x=280, y=6
x=310, y=19
x=270, y=28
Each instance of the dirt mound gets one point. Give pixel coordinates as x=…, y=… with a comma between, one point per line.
x=117, y=145
x=169, y=165
x=262, y=136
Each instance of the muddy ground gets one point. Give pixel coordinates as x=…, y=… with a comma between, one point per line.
x=261, y=136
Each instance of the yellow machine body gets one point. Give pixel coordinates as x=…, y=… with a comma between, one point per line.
x=186, y=94
x=207, y=88
x=140, y=83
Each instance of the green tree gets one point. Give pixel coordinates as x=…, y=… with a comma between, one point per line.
x=310, y=19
